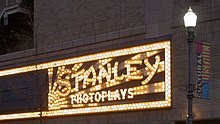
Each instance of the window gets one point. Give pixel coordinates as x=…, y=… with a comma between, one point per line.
x=16, y=26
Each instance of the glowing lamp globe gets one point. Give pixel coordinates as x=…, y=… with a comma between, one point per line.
x=190, y=18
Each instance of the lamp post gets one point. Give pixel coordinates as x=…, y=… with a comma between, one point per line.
x=190, y=23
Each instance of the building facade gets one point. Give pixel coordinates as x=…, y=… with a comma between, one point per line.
x=113, y=62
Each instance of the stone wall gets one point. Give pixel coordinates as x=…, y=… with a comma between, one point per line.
x=78, y=27
x=61, y=21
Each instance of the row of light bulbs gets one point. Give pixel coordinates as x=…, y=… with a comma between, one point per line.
x=116, y=53
x=111, y=108
x=133, y=50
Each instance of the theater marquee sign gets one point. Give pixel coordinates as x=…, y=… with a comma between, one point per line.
x=133, y=78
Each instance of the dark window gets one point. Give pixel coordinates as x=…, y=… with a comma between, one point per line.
x=16, y=26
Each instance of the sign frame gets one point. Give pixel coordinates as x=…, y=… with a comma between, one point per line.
x=166, y=103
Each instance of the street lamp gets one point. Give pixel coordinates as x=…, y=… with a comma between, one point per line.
x=190, y=23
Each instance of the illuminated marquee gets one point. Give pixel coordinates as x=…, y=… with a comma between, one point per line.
x=125, y=79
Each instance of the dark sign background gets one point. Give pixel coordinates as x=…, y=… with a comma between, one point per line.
x=22, y=92
x=153, y=96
